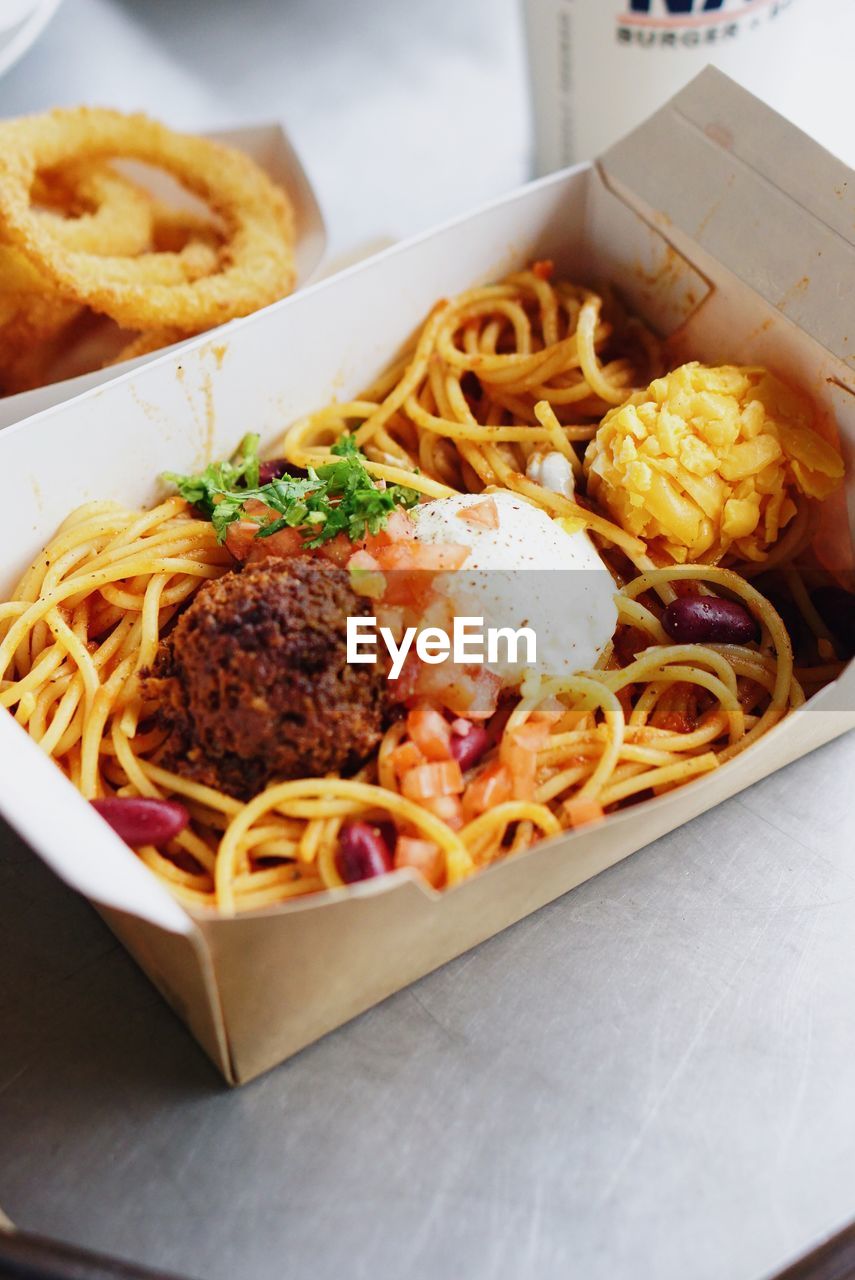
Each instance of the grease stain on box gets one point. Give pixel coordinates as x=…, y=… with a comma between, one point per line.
x=793, y=293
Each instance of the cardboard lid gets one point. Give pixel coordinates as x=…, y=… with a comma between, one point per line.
x=718, y=168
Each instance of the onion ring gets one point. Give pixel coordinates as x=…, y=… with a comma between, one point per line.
x=19, y=276
x=256, y=264
x=115, y=216
x=174, y=229
x=28, y=342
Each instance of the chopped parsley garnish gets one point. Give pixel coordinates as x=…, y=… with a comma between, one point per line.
x=338, y=497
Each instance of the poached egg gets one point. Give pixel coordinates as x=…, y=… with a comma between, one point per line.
x=527, y=572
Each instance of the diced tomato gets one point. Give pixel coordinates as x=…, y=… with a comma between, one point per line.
x=548, y=712
x=404, y=689
x=448, y=808
x=245, y=545
x=437, y=612
x=239, y=538
x=362, y=560
x=405, y=757
x=518, y=750
x=439, y=778
x=393, y=618
x=339, y=549
x=484, y=515
x=424, y=557
x=544, y=268
x=532, y=735
x=494, y=786
x=423, y=856
x=478, y=697
x=430, y=731
x=411, y=567
x=398, y=528
x=673, y=722
x=243, y=542
x=581, y=811
x=472, y=692
x=254, y=507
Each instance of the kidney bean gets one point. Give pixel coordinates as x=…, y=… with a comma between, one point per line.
x=467, y=749
x=277, y=467
x=836, y=607
x=387, y=831
x=142, y=821
x=707, y=619
x=362, y=852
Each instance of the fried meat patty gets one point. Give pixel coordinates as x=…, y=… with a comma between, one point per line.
x=253, y=682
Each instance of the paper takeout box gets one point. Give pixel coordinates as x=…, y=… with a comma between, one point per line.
x=723, y=226
x=270, y=147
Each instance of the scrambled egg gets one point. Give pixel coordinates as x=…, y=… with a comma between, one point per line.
x=707, y=462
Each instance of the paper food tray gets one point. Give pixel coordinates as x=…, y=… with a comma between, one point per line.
x=709, y=234
x=269, y=146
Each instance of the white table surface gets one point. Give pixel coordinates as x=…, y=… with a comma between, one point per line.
x=652, y=1078
x=404, y=112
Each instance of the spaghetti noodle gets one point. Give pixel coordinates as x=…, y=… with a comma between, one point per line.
x=495, y=376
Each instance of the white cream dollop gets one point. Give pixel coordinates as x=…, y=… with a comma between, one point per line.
x=529, y=572
x=553, y=471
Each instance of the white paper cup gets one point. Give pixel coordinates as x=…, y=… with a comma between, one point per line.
x=600, y=67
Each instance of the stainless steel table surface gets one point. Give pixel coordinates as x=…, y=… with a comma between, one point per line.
x=652, y=1078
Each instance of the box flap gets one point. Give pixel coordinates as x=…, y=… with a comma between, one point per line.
x=754, y=192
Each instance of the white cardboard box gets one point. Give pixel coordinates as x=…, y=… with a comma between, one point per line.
x=269, y=146
x=708, y=235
